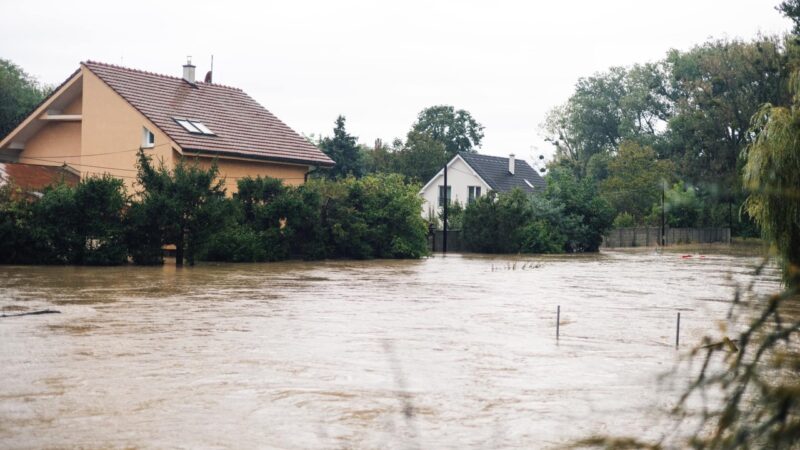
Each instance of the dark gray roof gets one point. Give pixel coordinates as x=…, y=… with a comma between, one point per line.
x=494, y=170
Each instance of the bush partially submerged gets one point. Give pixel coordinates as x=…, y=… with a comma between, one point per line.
x=96, y=223
x=372, y=217
x=568, y=217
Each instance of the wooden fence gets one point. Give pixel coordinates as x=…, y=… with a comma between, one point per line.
x=454, y=241
x=620, y=237
x=650, y=236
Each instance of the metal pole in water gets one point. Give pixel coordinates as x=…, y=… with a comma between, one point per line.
x=558, y=321
x=446, y=204
x=678, y=331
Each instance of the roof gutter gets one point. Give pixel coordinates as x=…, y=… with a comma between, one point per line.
x=223, y=153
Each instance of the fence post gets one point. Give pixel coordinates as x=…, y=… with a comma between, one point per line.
x=678, y=331
x=558, y=322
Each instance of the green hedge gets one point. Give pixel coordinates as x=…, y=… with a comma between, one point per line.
x=97, y=223
x=568, y=217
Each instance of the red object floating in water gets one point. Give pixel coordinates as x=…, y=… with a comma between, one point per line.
x=686, y=256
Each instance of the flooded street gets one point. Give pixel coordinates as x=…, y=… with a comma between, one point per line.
x=444, y=352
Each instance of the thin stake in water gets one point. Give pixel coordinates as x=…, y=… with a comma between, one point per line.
x=558, y=321
x=678, y=331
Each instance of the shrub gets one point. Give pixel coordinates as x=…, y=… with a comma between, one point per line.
x=624, y=220
x=587, y=215
x=17, y=243
x=235, y=243
x=81, y=225
x=568, y=217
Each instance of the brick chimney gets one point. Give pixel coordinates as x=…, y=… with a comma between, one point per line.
x=188, y=70
x=511, y=164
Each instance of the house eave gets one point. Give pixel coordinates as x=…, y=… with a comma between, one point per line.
x=251, y=157
x=452, y=161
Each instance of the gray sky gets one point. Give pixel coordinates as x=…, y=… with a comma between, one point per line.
x=379, y=63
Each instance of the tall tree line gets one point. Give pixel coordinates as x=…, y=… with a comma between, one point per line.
x=439, y=133
x=690, y=112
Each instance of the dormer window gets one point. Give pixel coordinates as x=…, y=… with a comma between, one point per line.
x=194, y=127
x=148, y=138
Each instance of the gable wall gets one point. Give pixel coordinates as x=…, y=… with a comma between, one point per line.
x=459, y=178
x=55, y=144
x=112, y=133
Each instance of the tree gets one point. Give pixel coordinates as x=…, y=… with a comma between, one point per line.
x=635, y=179
x=716, y=88
x=420, y=157
x=19, y=94
x=772, y=177
x=457, y=130
x=605, y=109
x=791, y=9
x=682, y=207
x=343, y=149
x=587, y=216
x=182, y=207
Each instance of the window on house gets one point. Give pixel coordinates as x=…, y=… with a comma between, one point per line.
x=148, y=138
x=442, y=198
x=200, y=126
x=194, y=127
x=474, y=192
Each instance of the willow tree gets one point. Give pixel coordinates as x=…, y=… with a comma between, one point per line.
x=772, y=176
x=760, y=402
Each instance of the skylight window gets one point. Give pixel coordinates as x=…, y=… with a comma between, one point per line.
x=204, y=129
x=194, y=127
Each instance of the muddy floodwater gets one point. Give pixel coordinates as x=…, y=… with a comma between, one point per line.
x=444, y=352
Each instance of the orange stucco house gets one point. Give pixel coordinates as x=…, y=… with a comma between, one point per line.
x=95, y=122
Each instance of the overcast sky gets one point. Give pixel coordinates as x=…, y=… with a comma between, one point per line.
x=379, y=63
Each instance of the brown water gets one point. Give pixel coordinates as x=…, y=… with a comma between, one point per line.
x=445, y=352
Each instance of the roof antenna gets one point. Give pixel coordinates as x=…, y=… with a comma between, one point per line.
x=210, y=73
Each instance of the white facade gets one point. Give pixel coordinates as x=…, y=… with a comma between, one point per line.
x=460, y=177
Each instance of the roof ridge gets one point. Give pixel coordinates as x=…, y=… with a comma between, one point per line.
x=160, y=75
x=489, y=156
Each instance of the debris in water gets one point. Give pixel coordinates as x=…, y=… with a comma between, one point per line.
x=33, y=313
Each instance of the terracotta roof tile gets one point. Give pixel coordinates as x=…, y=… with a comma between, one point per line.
x=30, y=177
x=242, y=126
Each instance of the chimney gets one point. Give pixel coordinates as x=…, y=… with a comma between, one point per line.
x=188, y=70
x=511, y=164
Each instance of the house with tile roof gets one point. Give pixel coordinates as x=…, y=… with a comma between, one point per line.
x=97, y=120
x=470, y=175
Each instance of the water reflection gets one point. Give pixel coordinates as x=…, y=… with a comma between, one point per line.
x=455, y=351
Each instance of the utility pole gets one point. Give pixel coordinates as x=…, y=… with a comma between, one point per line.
x=730, y=219
x=663, y=221
x=446, y=204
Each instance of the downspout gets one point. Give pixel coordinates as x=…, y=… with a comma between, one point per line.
x=311, y=169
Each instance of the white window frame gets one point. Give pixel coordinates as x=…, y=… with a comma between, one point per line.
x=203, y=128
x=194, y=127
x=188, y=126
x=473, y=193
x=148, y=138
x=449, y=195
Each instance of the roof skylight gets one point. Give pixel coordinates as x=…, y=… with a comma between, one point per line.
x=204, y=129
x=194, y=127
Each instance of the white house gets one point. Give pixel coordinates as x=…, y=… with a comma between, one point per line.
x=470, y=175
